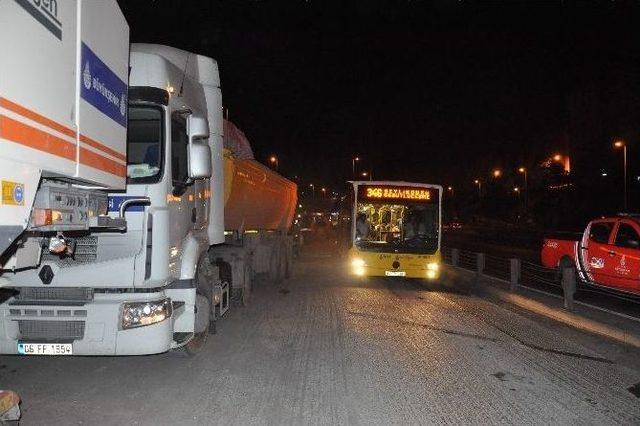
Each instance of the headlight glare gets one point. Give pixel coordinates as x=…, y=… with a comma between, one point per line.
x=433, y=266
x=139, y=314
x=358, y=263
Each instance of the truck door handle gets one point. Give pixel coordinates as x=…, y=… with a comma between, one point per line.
x=612, y=253
x=194, y=215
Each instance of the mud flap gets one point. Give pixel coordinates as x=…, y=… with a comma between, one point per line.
x=222, y=290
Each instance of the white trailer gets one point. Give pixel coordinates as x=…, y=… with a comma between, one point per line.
x=163, y=282
x=63, y=115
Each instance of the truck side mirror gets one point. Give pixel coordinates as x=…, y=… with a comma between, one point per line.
x=199, y=152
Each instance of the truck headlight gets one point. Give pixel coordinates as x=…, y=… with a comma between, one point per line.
x=139, y=314
x=433, y=266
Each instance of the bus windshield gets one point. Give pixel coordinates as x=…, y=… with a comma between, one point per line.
x=397, y=221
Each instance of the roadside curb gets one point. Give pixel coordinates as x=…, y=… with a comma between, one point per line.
x=575, y=320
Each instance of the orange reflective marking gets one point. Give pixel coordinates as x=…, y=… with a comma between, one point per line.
x=23, y=134
x=97, y=161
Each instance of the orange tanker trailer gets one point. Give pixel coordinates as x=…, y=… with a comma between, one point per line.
x=258, y=212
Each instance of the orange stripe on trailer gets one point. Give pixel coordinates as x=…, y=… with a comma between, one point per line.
x=40, y=119
x=106, y=149
x=97, y=161
x=31, y=137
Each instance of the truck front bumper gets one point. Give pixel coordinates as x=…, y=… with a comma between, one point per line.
x=93, y=327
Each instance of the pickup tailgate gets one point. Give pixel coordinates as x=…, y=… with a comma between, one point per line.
x=555, y=249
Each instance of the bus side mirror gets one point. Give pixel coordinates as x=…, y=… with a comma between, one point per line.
x=199, y=153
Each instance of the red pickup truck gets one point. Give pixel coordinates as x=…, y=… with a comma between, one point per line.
x=607, y=255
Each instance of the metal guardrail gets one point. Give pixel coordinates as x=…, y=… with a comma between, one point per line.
x=514, y=271
x=518, y=273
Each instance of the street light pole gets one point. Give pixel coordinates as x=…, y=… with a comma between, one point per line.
x=621, y=144
x=479, y=183
x=624, y=154
x=275, y=162
x=526, y=186
x=353, y=165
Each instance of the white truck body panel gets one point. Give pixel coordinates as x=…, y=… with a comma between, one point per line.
x=63, y=97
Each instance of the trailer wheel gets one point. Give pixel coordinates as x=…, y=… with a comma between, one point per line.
x=274, y=267
x=241, y=295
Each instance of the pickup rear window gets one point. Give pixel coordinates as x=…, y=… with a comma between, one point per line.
x=627, y=236
x=600, y=232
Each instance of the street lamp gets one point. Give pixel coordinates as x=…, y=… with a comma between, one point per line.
x=353, y=164
x=523, y=170
x=621, y=144
x=324, y=191
x=365, y=174
x=313, y=190
x=274, y=160
x=517, y=191
x=479, y=183
x=497, y=173
x=450, y=189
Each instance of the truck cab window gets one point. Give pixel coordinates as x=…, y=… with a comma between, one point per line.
x=600, y=232
x=627, y=237
x=179, y=143
x=144, y=143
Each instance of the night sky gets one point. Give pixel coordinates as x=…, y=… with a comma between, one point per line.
x=439, y=91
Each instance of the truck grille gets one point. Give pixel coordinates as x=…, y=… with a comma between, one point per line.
x=50, y=330
x=55, y=293
x=86, y=252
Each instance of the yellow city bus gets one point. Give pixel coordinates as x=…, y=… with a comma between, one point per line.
x=395, y=229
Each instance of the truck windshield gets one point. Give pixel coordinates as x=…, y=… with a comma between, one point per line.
x=404, y=227
x=144, y=144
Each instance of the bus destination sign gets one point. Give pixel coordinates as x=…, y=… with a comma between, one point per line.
x=398, y=193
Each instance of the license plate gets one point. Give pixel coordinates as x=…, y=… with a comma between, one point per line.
x=45, y=348
x=395, y=273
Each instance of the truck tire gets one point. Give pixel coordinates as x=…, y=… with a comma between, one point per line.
x=205, y=317
x=274, y=266
x=226, y=276
x=199, y=339
x=243, y=294
x=288, y=255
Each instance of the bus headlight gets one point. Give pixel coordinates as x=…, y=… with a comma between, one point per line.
x=358, y=265
x=139, y=314
x=433, y=266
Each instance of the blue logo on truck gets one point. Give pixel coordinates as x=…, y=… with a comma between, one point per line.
x=116, y=201
x=102, y=88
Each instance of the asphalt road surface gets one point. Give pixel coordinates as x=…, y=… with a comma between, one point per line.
x=324, y=348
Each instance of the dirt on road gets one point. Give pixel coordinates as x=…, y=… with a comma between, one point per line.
x=337, y=350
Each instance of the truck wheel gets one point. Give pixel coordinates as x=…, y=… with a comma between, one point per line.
x=288, y=261
x=274, y=266
x=201, y=326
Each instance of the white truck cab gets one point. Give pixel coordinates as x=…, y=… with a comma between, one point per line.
x=148, y=288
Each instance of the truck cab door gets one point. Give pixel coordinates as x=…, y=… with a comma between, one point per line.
x=626, y=262
x=182, y=200
x=597, y=255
